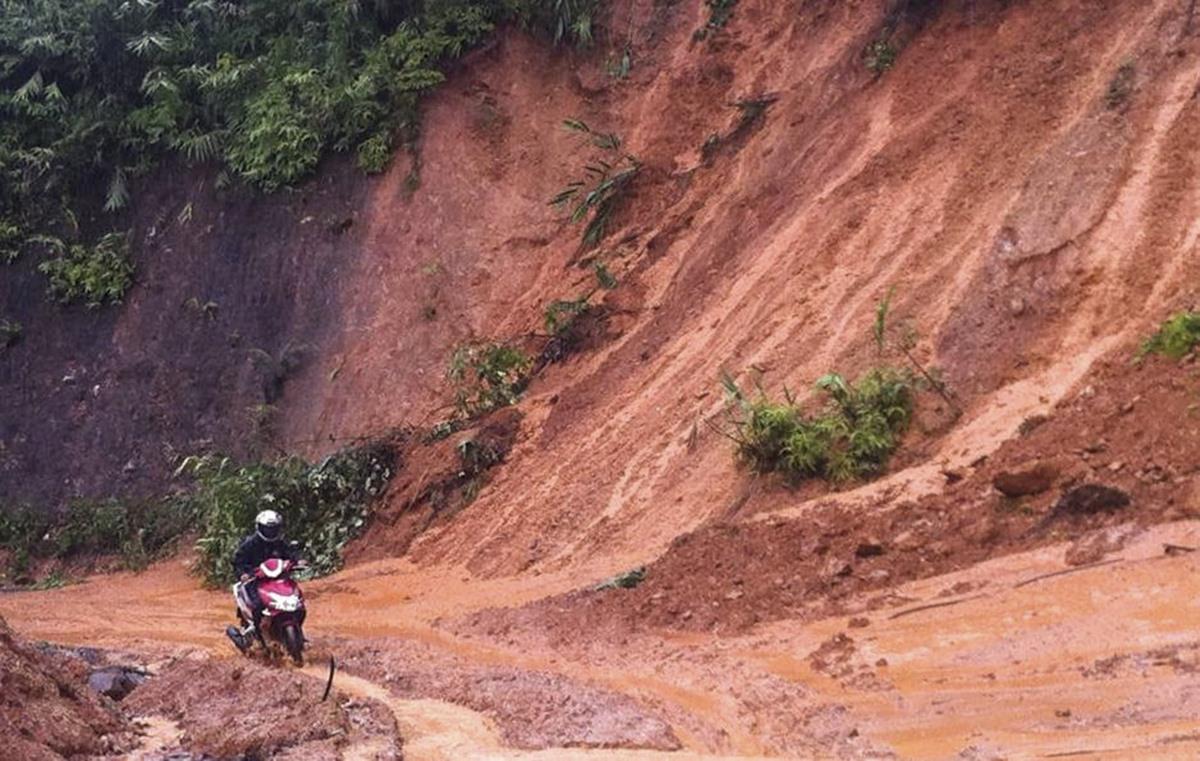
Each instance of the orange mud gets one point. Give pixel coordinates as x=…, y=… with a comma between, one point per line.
x=1033, y=231
x=1100, y=661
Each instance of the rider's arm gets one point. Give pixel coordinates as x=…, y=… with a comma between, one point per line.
x=243, y=564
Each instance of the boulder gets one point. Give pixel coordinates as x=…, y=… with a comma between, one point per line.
x=115, y=681
x=1029, y=479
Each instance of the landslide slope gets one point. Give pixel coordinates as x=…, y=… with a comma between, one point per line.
x=1022, y=178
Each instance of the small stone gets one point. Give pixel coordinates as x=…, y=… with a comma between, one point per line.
x=1016, y=306
x=1116, y=466
x=734, y=595
x=858, y=622
x=1063, y=713
x=882, y=663
x=869, y=549
x=1026, y=480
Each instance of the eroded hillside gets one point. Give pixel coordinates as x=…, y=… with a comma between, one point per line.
x=1020, y=180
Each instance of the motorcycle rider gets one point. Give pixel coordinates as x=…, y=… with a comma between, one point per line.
x=265, y=543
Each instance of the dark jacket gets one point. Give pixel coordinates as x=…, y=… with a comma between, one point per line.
x=254, y=550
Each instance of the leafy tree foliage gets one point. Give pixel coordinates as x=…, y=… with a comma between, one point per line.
x=94, y=92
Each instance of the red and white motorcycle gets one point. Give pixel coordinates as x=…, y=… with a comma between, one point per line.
x=283, y=612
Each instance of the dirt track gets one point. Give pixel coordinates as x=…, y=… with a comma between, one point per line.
x=1004, y=657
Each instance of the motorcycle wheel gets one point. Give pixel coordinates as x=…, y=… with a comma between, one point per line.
x=293, y=640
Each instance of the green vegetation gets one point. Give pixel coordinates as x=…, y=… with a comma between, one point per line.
x=1176, y=337
x=324, y=505
x=1120, y=87
x=137, y=533
x=851, y=437
x=881, y=55
x=486, y=377
x=626, y=580
x=10, y=332
x=603, y=186
x=95, y=275
x=95, y=93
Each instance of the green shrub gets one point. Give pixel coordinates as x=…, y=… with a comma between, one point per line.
x=486, y=377
x=324, y=505
x=137, y=533
x=95, y=275
x=1176, y=338
x=850, y=437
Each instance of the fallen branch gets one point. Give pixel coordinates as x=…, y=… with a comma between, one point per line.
x=1065, y=572
x=933, y=605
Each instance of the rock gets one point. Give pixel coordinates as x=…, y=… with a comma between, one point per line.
x=115, y=681
x=858, y=622
x=1032, y=478
x=1116, y=466
x=869, y=549
x=1093, y=546
x=1090, y=499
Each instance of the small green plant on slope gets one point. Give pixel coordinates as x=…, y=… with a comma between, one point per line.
x=602, y=188
x=486, y=377
x=562, y=318
x=10, y=332
x=95, y=275
x=880, y=56
x=1176, y=337
x=1120, y=87
x=719, y=12
x=324, y=504
x=850, y=437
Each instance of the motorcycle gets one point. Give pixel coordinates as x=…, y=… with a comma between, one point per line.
x=283, y=612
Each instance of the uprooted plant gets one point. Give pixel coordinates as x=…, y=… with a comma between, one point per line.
x=604, y=185
x=487, y=376
x=564, y=318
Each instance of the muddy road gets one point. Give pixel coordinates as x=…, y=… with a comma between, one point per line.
x=1020, y=657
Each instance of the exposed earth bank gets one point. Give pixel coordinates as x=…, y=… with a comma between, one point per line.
x=1022, y=582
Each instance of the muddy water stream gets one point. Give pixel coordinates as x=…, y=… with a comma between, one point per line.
x=1021, y=656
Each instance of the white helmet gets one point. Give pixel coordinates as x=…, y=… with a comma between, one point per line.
x=268, y=525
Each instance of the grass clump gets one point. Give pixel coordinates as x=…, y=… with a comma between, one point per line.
x=95, y=275
x=850, y=437
x=324, y=504
x=486, y=377
x=1175, y=338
